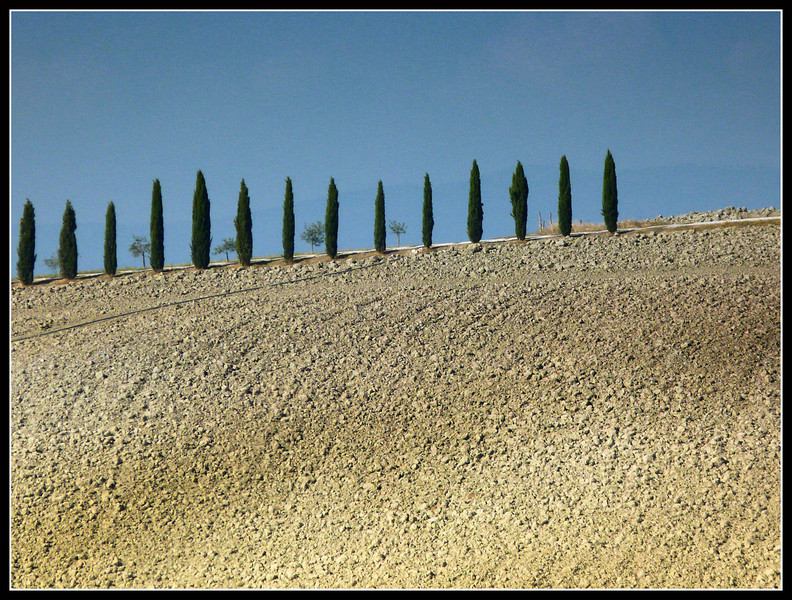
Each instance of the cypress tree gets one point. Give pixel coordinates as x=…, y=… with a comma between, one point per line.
x=110, y=253
x=564, y=199
x=518, y=193
x=331, y=220
x=379, y=220
x=475, y=207
x=428, y=214
x=610, y=197
x=67, y=249
x=157, y=230
x=243, y=223
x=200, y=247
x=26, y=250
x=288, y=222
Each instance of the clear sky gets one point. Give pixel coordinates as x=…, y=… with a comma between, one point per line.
x=103, y=103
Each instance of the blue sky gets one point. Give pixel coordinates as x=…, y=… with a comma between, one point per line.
x=103, y=103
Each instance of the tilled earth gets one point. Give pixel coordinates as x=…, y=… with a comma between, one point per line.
x=599, y=412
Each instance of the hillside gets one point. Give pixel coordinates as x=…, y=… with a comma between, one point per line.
x=599, y=411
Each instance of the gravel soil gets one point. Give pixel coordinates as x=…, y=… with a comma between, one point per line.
x=599, y=411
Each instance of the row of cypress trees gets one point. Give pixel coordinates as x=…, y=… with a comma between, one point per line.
x=201, y=240
x=518, y=194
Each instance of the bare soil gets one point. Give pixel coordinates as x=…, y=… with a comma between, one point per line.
x=599, y=411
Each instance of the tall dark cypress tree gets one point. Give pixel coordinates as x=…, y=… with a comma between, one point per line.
x=564, y=199
x=157, y=229
x=331, y=220
x=475, y=207
x=67, y=249
x=428, y=213
x=201, y=245
x=610, y=196
x=110, y=248
x=26, y=250
x=288, y=222
x=243, y=222
x=518, y=193
x=379, y=220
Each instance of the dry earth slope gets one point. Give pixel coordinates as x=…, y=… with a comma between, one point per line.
x=602, y=411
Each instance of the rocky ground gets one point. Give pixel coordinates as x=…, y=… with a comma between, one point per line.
x=602, y=411
x=730, y=213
